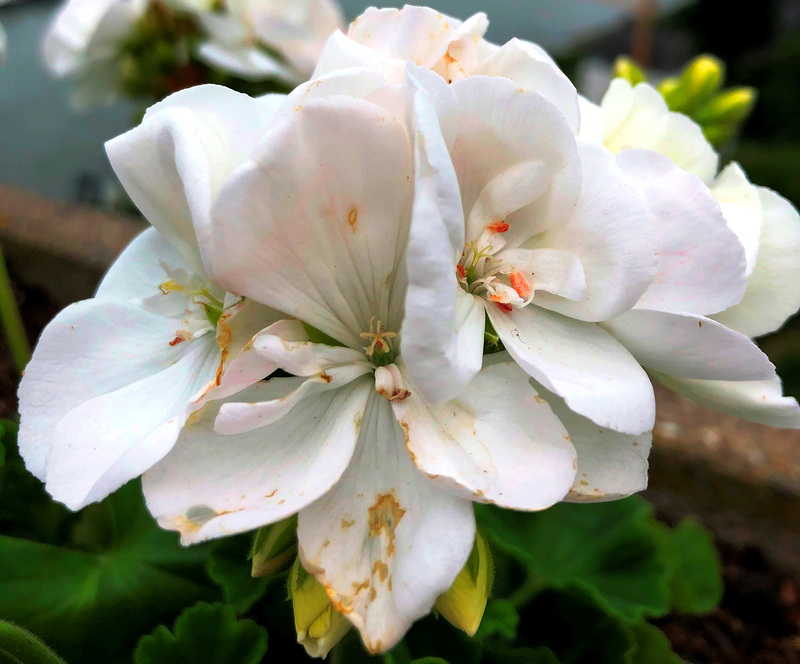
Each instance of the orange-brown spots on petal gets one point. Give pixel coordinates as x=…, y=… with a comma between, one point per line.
x=326, y=377
x=520, y=284
x=381, y=569
x=346, y=524
x=504, y=307
x=384, y=517
x=352, y=218
x=498, y=227
x=271, y=493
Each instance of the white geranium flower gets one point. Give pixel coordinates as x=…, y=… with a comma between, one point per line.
x=389, y=38
x=113, y=379
x=295, y=29
x=316, y=224
x=712, y=292
x=540, y=233
x=83, y=43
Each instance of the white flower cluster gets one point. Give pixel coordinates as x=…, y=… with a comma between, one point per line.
x=426, y=196
x=252, y=39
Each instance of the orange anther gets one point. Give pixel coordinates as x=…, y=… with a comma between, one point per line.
x=176, y=341
x=520, y=284
x=498, y=227
x=462, y=273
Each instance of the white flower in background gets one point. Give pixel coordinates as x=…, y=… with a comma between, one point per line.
x=83, y=43
x=712, y=293
x=540, y=233
x=316, y=225
x=295, y=29
x=114, y=378
x=389, y=38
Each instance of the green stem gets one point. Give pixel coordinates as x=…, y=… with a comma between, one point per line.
x=12, y=321
x=20, y=646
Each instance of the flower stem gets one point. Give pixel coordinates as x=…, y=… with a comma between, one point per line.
x=522, y=595
x=12, y=321
x=19, y=645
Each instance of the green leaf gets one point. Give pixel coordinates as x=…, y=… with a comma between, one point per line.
x=500, y=619
x=526, y=656
x=430, y=660
x=120, y=576
x=204, y=634
x=694, y=568
x=19, y=646
x=651, y=646
x=229, y=567
x=576, y=627
x=612, y=547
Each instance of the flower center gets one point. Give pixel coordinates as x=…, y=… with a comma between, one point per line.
x=203, y=309
x=482, y=274
x=379, y=349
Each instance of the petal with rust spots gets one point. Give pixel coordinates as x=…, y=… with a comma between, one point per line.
x=240, y=365
x=498, y=442
x=293, y=246
x=262, y=408
x=611, y=465
x=407, y=542
x=212, y=485
x=105, y=396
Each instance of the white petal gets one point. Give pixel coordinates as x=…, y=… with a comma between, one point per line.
x=341, y=52
x=262, y=408
x=138, y=272
x=385, y=541
x=316, y=224
x=530, y=67
x=443, y=326
x=701, y=261
x=772, y=293
x=240, y=364
x=550, y=270
x=105, y=396
x=173, y=164
x=611, y=465
x=417, y=34
x=212, y=485
x=689, y=346
x=582, y=363
x=515, y=157
x=639, y=118
x=741, y=208
x=593, y=123
x=498, y=442
x=756, y=401
x=249, y=63
x=612, y=234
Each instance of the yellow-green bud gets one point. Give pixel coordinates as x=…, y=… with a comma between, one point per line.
x=274, y=547
x=698, y=82
x=717, y=134
x=729, y=107
x=463, y=605
x=318, y=624
x=626, y=68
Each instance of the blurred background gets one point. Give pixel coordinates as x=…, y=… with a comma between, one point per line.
x=63, y=219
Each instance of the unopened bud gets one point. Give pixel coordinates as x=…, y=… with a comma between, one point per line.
x=717, y=134
x=729, y=107
x=464, y=603
x=698, y=83
x=629, y=70
x=274, y=547
x=318, y=624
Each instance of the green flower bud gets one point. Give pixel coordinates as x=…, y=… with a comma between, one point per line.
x=731, y=106
x=699, y=81
x=717, y=134
x=626, y=68
x=274, y=547
x=319, y=626
x=463, y=605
